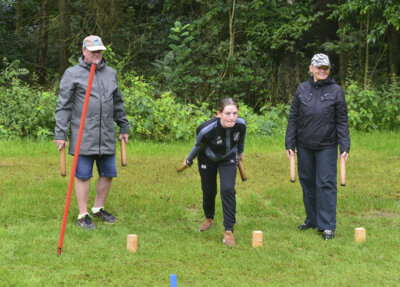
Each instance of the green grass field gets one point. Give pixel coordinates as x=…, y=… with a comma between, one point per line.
x=165, y=208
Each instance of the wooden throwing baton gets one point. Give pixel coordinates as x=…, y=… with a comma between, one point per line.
x=241, y=170
x=182, y=168
x=292, y=166
x=62, y=161
x=342, y=171
x=123, y=152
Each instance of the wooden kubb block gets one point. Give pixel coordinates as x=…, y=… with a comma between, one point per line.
x=359, y=234
x=257, y=238
x=132, y=242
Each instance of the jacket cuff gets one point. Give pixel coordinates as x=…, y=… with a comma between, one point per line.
x=124, y=130
x=60, y=136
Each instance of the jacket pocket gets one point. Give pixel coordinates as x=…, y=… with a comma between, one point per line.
x=327, y=97
x=305, y=99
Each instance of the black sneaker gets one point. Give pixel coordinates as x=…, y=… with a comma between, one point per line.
x=328, y=234
x=105, y=216
x=86, y=223
x=305, y=226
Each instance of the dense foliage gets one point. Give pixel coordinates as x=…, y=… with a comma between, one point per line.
x=29, y=112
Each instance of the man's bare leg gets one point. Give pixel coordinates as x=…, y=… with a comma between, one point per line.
x=82, y=194
x=103, y=187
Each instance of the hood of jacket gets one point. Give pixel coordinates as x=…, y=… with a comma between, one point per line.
x=85, y=65
x=327, y=81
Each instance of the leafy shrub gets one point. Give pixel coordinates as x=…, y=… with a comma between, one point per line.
x=29, y=112
x=371, y=109
x=166, y=118
x=24, y=112
x=272, y=120
x=163, y=118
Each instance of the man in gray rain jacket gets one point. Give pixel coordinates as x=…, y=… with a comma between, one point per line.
x=98, y=141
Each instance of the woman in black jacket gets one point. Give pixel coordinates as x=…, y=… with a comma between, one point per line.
x=219, y=145
x=317, y=125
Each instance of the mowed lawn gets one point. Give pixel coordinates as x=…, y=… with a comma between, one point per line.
x=164, y=209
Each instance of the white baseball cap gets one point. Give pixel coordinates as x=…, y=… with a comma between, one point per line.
x=93, y=43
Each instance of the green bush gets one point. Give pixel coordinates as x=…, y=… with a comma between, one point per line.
x=370, y=109
x=24, y=112
x=29, y=112
x=272, y=120
x=166, y=118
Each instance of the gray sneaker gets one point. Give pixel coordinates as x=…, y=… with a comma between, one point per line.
x=86, y=223
x=328, y=234
x=105, y=216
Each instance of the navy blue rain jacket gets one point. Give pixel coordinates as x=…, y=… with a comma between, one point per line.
x=318, y=117
x=219, y=143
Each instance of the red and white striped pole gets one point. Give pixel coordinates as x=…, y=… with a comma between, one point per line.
x=76, y=155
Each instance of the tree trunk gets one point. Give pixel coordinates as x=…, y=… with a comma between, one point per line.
x=43, y=35
x=115, y=9
x=64, y=31
x=393, y=50
x=344, y=59
x=231, y=38
x=366, y=55
x=18, y=15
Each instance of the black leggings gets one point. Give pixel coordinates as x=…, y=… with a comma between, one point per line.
x=227, y=176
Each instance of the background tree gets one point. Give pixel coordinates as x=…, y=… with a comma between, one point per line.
x=42, y=39
x=64, y=34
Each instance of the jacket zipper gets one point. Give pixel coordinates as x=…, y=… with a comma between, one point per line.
x=101, y=112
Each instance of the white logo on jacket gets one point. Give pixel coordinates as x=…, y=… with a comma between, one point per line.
x=236, y=136
x=219, y=140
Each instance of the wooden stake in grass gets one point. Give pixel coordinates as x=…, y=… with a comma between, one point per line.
x=132, y=242
x=342, y=170
x=257, y=239
x=359, y=234
x=123, y=152
x=62, y=161
x=292, y=166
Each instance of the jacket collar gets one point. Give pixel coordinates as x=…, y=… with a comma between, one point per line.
x=325, y=82
x=100, y=66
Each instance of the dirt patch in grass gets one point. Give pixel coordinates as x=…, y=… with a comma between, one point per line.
x=380, y=214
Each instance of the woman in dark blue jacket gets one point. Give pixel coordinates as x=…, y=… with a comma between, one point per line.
x=317, y=125
x=219, y=145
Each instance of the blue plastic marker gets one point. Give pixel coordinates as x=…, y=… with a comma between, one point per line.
x=173, y=280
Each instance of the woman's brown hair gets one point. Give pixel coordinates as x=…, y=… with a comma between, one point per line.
x=226, y=102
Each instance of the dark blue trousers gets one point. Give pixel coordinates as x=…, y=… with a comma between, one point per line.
x=318, y=177
x=227, y=175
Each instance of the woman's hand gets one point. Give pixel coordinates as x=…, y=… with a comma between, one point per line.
x=345, y=155
x=186, y=163
x=289, y=152
x=241, y=157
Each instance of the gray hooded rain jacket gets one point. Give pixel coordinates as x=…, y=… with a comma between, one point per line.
x=105, y=106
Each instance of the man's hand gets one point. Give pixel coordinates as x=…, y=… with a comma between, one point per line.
x=60, y=144
x=124, y=136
